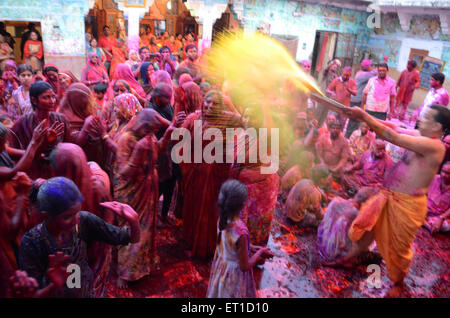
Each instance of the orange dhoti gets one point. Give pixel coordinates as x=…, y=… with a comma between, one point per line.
x=395, y=218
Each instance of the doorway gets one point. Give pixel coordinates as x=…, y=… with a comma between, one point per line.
x=331, y=45
x=19, y=28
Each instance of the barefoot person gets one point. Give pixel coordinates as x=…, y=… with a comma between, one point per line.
x=396, y=213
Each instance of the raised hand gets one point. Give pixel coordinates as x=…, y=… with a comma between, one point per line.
x=180, y=118
x=40, y=132
x=121, y=209
x=56, y=130
x=57, y=269
x=22, y=286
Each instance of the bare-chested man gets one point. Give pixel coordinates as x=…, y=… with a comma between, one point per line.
x=394, y=216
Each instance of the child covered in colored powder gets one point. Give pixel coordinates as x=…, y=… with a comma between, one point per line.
x=232, y=267
x=99, y=92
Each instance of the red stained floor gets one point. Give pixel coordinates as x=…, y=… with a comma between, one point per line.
x=295, y=271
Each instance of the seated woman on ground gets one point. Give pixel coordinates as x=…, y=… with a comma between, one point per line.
x=304, y=202
x=333, y=242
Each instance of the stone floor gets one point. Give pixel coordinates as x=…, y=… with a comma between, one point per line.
x=295, y=271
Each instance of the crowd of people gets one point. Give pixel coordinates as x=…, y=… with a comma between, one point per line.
x=85, y=165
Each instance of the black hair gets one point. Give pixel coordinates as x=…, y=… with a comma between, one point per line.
x=49, y=69
x=442, y=116
x=142, y=48
x=23, y=68
x=180, y=71
x=100, y=88
x=106, y=27
x=92, y=39
x=124, y=82
x=319, y=172
x=438, y=77
x=232, y=197
x=412, y=63
x=37, y=89
x=190, y=46
x=336, y=123
x=383, y=65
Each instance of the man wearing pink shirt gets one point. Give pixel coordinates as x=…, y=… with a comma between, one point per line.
x=436, y=95
x=379, y=94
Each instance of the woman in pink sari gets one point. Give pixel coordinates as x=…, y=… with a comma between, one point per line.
x=123, y=72
x=162, y=77
x=94, y=72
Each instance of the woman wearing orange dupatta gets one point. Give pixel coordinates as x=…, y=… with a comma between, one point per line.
x=201, y=182
x=119, y=55
x=137, y=185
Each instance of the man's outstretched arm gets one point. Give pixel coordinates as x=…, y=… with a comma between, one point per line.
x=418, y=144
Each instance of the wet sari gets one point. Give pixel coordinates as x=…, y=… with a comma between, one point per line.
x=140, y=191
x=68, y=160
x=201, y=184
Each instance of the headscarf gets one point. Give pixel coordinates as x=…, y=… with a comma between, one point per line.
x=11, y=63
x=68, y=73
x=144, y=72
x=365, y=64
x=162, y=77
x=77, y=105
x=123, y=72
x=147, y=116
x=57, y=195
x=185, y=78
x=69, y=160
x=55, y=84
x=190, y=97
x=128, y=106
x=131, y=62
x=94, y=71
